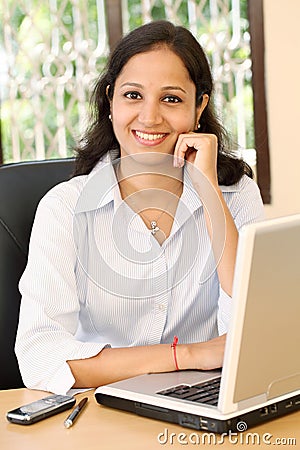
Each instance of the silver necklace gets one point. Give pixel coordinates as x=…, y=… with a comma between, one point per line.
x=154, y=228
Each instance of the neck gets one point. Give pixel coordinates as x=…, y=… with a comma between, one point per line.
x=152, y=191
x=141, y=174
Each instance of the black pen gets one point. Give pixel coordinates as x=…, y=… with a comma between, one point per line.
x=75, y=413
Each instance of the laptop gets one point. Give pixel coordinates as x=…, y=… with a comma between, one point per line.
x=260, y=378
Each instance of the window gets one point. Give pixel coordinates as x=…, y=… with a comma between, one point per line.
x=53, y=51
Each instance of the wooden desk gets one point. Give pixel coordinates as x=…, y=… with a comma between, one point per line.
x=102, y=428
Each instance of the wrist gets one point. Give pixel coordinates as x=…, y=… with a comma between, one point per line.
x=184, y=357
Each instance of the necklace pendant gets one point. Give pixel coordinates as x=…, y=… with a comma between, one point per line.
x=154, y=227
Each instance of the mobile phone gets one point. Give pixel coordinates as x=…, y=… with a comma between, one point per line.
x=40, y=409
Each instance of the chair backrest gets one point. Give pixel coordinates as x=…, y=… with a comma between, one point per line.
x=22, y=185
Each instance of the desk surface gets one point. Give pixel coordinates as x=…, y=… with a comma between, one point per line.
x=99, y=427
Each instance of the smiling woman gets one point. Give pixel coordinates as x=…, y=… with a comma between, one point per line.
x=149, y=112
x=140, y=245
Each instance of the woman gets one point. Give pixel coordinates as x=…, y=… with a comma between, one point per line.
x=140, y=245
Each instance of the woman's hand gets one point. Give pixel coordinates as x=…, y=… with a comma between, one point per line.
x=207, y=355
x=200, y=150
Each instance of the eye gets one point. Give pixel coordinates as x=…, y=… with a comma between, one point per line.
x=132, y=95
x=172, y=99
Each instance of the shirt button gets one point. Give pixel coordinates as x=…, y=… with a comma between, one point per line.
x=161, y=307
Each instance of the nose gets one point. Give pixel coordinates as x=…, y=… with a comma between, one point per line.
x=150, y=114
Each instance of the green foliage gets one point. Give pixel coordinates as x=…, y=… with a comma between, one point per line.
x=34, y=69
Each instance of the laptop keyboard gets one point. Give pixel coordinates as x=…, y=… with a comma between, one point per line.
x=206, y=392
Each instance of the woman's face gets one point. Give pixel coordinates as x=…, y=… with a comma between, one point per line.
x=154, y=102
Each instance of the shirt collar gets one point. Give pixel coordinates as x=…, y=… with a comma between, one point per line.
x=190, y=196
x=102, y=187
x=190, y=201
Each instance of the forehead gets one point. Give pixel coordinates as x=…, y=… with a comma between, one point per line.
x=159, y=64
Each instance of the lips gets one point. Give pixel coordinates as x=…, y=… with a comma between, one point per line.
x=149, y=138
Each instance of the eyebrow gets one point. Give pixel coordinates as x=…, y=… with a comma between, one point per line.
x=164, y=88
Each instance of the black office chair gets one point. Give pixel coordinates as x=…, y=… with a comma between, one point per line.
x=22, y=185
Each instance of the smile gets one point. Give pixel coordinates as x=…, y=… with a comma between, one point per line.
x=149, y=138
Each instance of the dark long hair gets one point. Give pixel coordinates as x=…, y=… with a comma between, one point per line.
x=99, y=138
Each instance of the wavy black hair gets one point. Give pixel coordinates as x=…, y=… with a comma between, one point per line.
x=99, y=138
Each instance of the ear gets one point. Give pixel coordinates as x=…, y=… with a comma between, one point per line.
x=107, y=93
x=201, y=108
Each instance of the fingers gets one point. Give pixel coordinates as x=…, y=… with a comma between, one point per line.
x=184, y=143
x=189, y=144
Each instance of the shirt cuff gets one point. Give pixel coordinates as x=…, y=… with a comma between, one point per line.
x=63, y=380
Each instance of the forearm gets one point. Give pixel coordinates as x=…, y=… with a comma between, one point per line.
x=224, y=237
x=114, y=364
x=221, y=229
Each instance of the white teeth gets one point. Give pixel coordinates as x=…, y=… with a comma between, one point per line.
x=149, y=137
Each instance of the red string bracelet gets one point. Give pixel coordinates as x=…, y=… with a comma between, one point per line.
x=173, y=346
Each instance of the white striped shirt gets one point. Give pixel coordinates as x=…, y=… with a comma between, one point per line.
x=96, y=276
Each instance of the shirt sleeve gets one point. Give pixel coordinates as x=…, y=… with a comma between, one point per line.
x=50, y=306
x=246, y=206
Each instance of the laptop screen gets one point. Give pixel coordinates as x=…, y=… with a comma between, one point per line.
x=269, y=361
